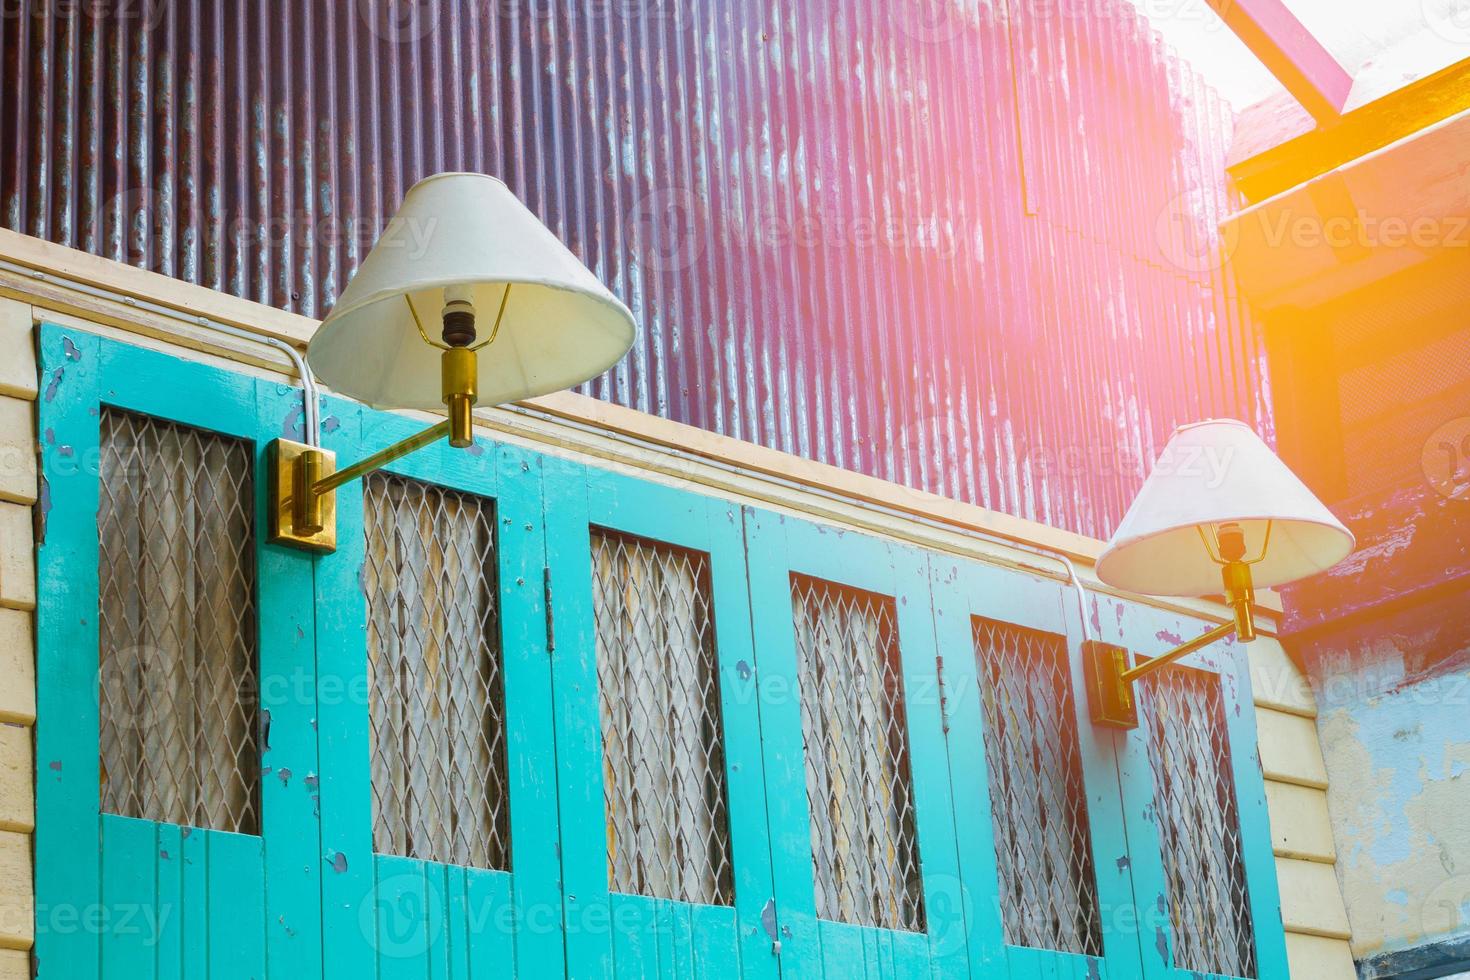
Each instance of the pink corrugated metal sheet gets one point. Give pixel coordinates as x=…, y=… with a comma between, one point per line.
x=960, y=244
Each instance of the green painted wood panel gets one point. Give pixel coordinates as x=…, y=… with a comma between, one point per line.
x=310, y=897
x=390, y=914
x=1151, y=632
x=776, y=547
x=965, y=590
x=125, y=869
x=648, y=936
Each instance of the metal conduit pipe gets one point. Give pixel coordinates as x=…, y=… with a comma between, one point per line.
x=1040, y=550
x=298, y=363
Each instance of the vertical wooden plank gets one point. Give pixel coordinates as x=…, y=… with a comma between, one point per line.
x=977, y=904
x=289, y=763
x=129, y=896
x=578, y=732
x=194, y=901
x=794, y=911
x=491, y=931
x=634, y=938
x=741, y=669
x=236, y=889
x=407, y=917
x=715, y=943
x=436, y=908
x=168, y=922
x=934, y=813
x=531, y=721
x=68, y=837
x=344, y=785
x=457, y=924
x=1255, y=818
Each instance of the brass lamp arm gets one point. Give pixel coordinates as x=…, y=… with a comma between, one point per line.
x=303, y=505
x=1110, y=676
x=1179, y=652
x=326, y=484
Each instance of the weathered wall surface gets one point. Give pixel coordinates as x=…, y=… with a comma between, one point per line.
x=964, y=246
x=1396, y=738
x=18, y=486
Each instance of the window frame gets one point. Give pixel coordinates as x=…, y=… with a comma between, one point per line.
x=146, y=864
x=1150, y=632
x=777, y=546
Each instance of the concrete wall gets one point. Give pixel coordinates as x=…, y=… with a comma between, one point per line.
x=18, y=488
x=1395, y=730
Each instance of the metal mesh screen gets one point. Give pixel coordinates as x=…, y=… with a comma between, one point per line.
x=1038, y=801
x=662, y=738
x=434, y=674
x=859, y=787
x=1199, y=824
x=177, y=634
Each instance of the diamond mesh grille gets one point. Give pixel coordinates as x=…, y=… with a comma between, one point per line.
x=177, y=635
x=434, y=675
x=1038, y=801
x=859, y=788
x=1199, y=824
x=662, y=739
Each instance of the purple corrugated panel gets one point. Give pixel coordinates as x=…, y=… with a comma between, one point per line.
x=967, y=246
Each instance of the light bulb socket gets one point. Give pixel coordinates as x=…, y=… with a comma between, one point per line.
x=1231, y=538
x=459, y=323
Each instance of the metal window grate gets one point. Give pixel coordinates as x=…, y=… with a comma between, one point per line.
x=1199, y=824
x=662, y=738
x=859, y=787
x=177, y=699
x=434, y=674
x=1038, y=800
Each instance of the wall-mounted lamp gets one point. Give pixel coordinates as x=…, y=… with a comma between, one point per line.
x=1219, y=513
x=462, y=269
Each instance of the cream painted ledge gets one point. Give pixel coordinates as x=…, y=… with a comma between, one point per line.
x=45, y=275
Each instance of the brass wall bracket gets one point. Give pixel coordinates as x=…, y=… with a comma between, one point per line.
x=304, y=480
x=284, y=456
x=1110, y=675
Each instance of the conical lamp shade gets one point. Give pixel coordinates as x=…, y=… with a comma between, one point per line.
x=561, y=326
x=1209, y=474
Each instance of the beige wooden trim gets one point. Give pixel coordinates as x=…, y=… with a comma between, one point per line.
x=17, y=779
x=1300, y=825
x=18, y=362
x=1277, y=682
x=52, y=294
x=15, y=964
x=48, y=258
x=1319, y=958
x=17, y=897
x=17, y=667
x=1290, y=749
x=1311, y=901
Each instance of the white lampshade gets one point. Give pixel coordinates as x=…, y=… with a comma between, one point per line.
x=1213, y=473
x=470, y=233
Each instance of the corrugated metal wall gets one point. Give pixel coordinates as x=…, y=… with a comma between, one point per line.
x=960, y=244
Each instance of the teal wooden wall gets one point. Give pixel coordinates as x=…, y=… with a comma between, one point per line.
x=308, y=897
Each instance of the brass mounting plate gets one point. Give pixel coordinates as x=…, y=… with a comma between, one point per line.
x=282, y=454
x=1109, y=697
